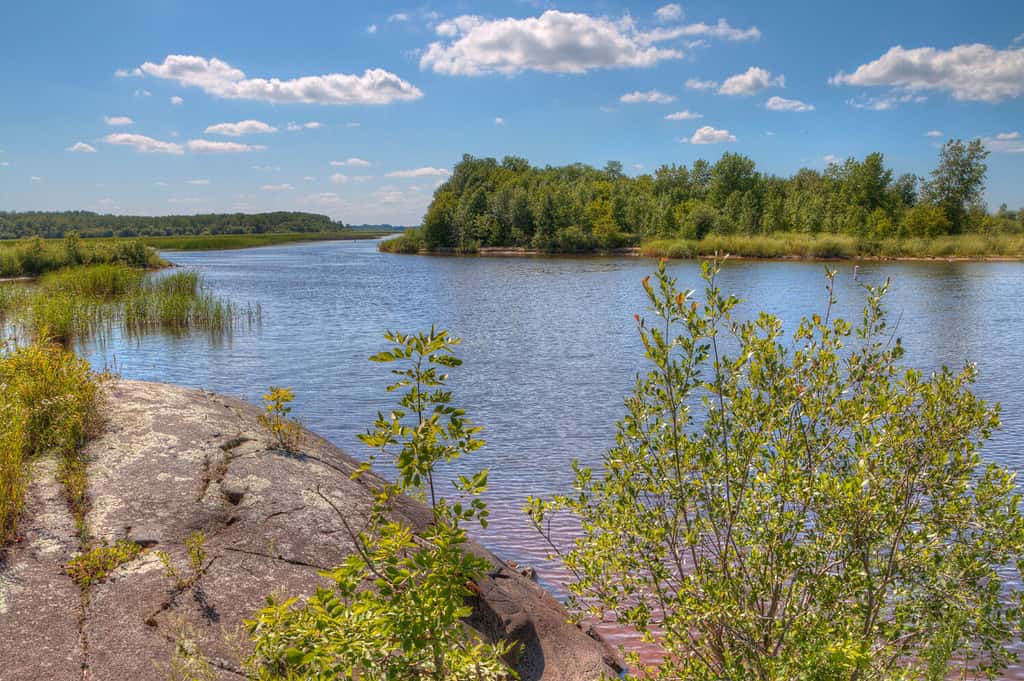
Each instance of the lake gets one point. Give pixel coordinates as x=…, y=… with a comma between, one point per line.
x=549, y=344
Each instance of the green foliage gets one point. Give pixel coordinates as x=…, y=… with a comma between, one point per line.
x=195, y=549
x=487, y=203
x=33, y=256
x=50, y=406
x=797, y=509
x=409, y=625
x=286, y=431
x=93, y=567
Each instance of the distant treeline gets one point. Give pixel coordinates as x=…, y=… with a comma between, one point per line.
x=88, y=224
x=577, y=207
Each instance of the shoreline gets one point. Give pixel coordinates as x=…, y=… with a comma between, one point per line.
x=637, y=252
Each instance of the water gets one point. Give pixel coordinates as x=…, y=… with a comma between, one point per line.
x=549, y=344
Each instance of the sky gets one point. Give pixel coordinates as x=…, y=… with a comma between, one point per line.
x=359, y=110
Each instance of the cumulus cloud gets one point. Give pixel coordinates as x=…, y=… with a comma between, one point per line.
x=117, y=120
x=419, y=172
x=684, y=115
x=721, y=29
x=750, y=82
x=82, y=147
x=353, y=162
x=339, y=178
x=649, y=97
x=128, y=73
x=371, y=29
x=498, y=120
x=146, y=145
x=782, y=104
x=220, y=79
x=310, y=125
x=554, y=42
x=829, y=159
x=710, y=135
x=1005, y=143
x=177, y=100
x=247, y=127
x=669, y=12
x=887, y=102
x=697, y=84
x=968, y=72
x=933, y=133
x=215, y=147
x=277, y=187
x=198, y=182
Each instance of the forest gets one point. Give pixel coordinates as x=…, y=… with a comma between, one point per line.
x=88, y=224
x=575, y=208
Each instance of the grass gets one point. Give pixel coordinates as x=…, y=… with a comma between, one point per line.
x=50, y=407
x=217, y=242
x=81, y=303
x=409, y=242
x=794, y=245
x=35, y=256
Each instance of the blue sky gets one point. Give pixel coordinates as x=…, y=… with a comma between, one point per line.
x=358, y=110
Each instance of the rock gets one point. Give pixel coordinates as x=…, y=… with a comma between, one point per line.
x=173, y=461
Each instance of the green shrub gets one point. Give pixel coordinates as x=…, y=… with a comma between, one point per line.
x=93, y=567
x=799, y=508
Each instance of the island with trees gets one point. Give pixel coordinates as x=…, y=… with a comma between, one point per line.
x=852, y=208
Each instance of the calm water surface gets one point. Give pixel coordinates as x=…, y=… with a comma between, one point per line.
x=549, y=344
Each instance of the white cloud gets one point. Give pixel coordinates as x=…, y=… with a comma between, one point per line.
x=1019, y=39
x=750, y=82
x=36, y=178
x=220, y=79
x=313, y=125
x=309, y=178
x=339, y=178
x=143, y=93
x=352, y=125
x=82, y=147
x=499, y=120
x=325, y=199
x=554, y=42
x=885, y=103
x=177, y=100
x=146, y=145
x=371, y=29
x=968, y=72
x=933, y=133
x=4, y=164
x=128, y=73
x=160, y=183
x=399, y=16
x=215, y=147
x=247, y=127
x=419, y=172
x=608, y=109
x=106, y=203
x=684, y=115
x=186, y=199
x=277, y=187
x=829, y=159
x=351, y=162
x=117, y=120
x=270, y=169
x=709, y=135
x=697, y=84
x=782, y=104
x=721, y=29
x=649, y=97
x=1005, y=143
x=198, y=182
x=669, y=12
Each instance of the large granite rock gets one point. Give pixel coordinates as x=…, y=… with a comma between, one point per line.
x=173, y=461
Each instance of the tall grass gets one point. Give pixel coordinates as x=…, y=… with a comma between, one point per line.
x=35, y=256
x=77, y=304
x=798, y=245
x=217, y=242
x=50, y=407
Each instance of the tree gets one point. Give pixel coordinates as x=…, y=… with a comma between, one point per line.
x=796, y=509
x=410, y=624
x=958, y=182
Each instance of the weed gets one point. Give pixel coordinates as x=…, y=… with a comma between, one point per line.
x=94, y=566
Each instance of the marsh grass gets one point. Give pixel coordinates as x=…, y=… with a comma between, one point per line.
x=824, y=245
x=88, y=302
x=35, y=256
x=217, y=242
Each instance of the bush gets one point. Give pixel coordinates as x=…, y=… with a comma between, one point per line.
x=797, y=509
x=50, y=406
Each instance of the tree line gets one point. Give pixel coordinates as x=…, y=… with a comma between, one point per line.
x=578, y=207
x=15, y=225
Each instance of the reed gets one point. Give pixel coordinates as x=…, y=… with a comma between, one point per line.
x=35, y=256
x=824, y=245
